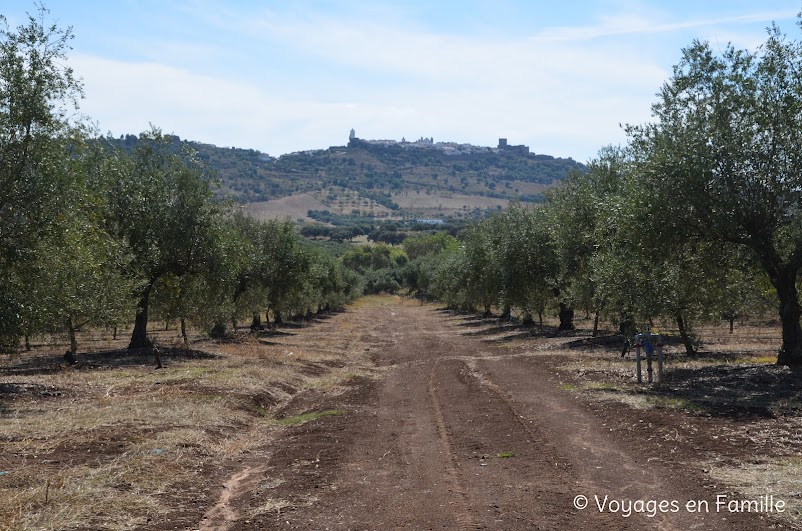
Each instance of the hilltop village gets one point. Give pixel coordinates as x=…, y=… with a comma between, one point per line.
x=448, y=148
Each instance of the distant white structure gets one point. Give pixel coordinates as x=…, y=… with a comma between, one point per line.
x=430, y=221
x=448, y=148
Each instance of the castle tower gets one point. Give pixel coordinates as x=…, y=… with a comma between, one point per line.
x=352, y=135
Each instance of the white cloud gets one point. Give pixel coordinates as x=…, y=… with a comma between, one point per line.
x=559, y=97
x=125, y=97
x=633, y=25
x=530, y=96
x=562, y=91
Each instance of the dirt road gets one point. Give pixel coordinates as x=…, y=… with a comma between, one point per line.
x=460, y=432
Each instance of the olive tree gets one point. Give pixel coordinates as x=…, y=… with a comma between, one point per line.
x=82, y=280
x=482, y=274
x=526, y=260
x=579, y=219
x=722, y=162
x=161, y=204
x=38, y=96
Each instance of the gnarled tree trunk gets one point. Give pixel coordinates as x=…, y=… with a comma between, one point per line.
x=505, y=312
x=683, y=334
x=790, y=312
x=566, y=317
x=139, y=337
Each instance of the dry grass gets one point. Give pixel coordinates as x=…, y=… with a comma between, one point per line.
x=448, y=201
x=294, y=207
x=114, y=442
x=778, y=477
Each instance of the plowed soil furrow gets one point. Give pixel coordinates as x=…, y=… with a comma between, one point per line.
x=461, y=504
x=460, y=433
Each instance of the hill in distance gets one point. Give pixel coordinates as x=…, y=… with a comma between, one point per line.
x=381, y=179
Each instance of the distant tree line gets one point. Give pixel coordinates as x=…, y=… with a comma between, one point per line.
x=387, y=268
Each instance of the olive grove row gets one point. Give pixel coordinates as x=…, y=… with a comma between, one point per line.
x=91, y=235
x=698, y=216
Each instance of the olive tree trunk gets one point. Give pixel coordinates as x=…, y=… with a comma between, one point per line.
x=139, y=337
x=73, y=338
x=184, y=331
x=683, y=334
x=566, y=317
x=790, y=312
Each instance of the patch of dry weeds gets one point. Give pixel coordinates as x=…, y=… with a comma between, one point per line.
x=781, y=478
x=117, y=444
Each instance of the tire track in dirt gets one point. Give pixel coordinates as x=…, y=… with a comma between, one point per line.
x=573, y=479
x=462, y=503
x=461, y=433
x=602, y=466
x=515, y=478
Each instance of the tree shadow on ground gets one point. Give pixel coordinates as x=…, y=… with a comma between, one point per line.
x=292, y=325
x=273, y=333
x=607, y=341
x=745, y=392
x=299, y=323
x=305, y=322
x=471, y=323
x=550, y=331
x=600, y=342
x=504, y=329
x=750, y=390
x=51, y=364
x=495, y=330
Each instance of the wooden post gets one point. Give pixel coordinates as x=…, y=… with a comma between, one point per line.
x=637, y=357
x=659, y=359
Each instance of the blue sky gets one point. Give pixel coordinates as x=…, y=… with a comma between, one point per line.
x=560, y=77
